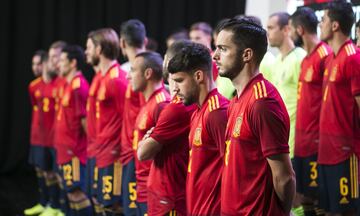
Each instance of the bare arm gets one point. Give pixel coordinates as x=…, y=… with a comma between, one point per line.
x=283, y=179
x=83, y=124
x=148, y=147
x=357, y=99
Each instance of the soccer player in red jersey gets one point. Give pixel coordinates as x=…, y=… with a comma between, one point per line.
x=303, y=30
x=36, y=157
x=146, y=77
x=109, y=108
x=132, y=42
x=339, y=115
x=190, y=68
x=70, y=129
x=167, y=144
x=258, y=178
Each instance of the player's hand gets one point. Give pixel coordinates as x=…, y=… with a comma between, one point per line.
x=148, y=133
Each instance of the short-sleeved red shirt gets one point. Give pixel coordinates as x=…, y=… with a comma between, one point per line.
x=91, y=116
x=308, y=103
x=109, y=112
x=146, y=119
x=258, y=127
x=339, y=117
x=207, y=145
x=49, y=106
x=132, y=105
x=167, y=178
x=35, y=90
x=70, y=137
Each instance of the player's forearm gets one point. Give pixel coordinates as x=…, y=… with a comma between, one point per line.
x=285, y=189
x=147, y=149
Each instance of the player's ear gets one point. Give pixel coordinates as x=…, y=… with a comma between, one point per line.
x=199, y=76
x=335, y=26
x=148, y=73
x=73, y=63
x=248, y=55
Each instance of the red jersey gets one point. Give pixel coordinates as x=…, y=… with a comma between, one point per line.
x=308, y=103
x=48, y=108
x=70, y=137
x=146, y=119
x=90, y=116
x=35, y=91
x=133, y=102
x=109, y=111
x=339, y=118
x=258, y=127
x=167, y=178
x=207, y=144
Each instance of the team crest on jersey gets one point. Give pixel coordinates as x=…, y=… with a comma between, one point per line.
x=333, y=73
x=37, y=93
x=309, y=74
x=142, y=123
x=237, y=127
x=197, y=137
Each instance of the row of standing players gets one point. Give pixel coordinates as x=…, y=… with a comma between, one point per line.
x=155, y=127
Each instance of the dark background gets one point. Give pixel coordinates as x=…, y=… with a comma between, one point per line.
x=29, y=25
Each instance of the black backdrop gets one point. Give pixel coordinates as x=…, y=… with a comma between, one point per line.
x=28, y=25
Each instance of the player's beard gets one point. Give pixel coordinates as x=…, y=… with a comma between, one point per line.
x=95, y=60
x=192, y=96
x=298, y=41
x=237, y=65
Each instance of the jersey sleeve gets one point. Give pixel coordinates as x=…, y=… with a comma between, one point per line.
x=353, y=66
x=216, y=126
x=270, y=124
x=80, y=95
x=173, y=121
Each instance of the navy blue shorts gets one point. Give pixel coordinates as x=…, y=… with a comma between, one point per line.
x=109, y=187
x=129, y=188
x=43, y=158
x=307, y=175
x=339, y=186
x=73, y=175
x=141, y=209
x=91, y=177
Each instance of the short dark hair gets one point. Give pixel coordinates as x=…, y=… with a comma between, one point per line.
x=249, y=18
x=189, y=58
x=154, y=61
x=248, y=34
x=341, y=12
x=108, y=40
x=306, y=18
x=42, y=54
x=133, y=32
x=283, y=18
x=202, y=26
x=180, y=34
x=219, y=24
x=77, y=53
x=58, y=45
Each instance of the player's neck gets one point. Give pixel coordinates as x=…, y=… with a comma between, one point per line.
x=310, y=42
x=47, y=78
x=286, y=47
x=244, y=77
x=105, y=64
x=205, y=89
x=132, y=52
x=70, y=76
x=151, y=87
x=337, y=41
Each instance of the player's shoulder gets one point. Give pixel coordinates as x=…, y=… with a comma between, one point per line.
x=217, y=102
x=323, y=50
x=35, y=82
